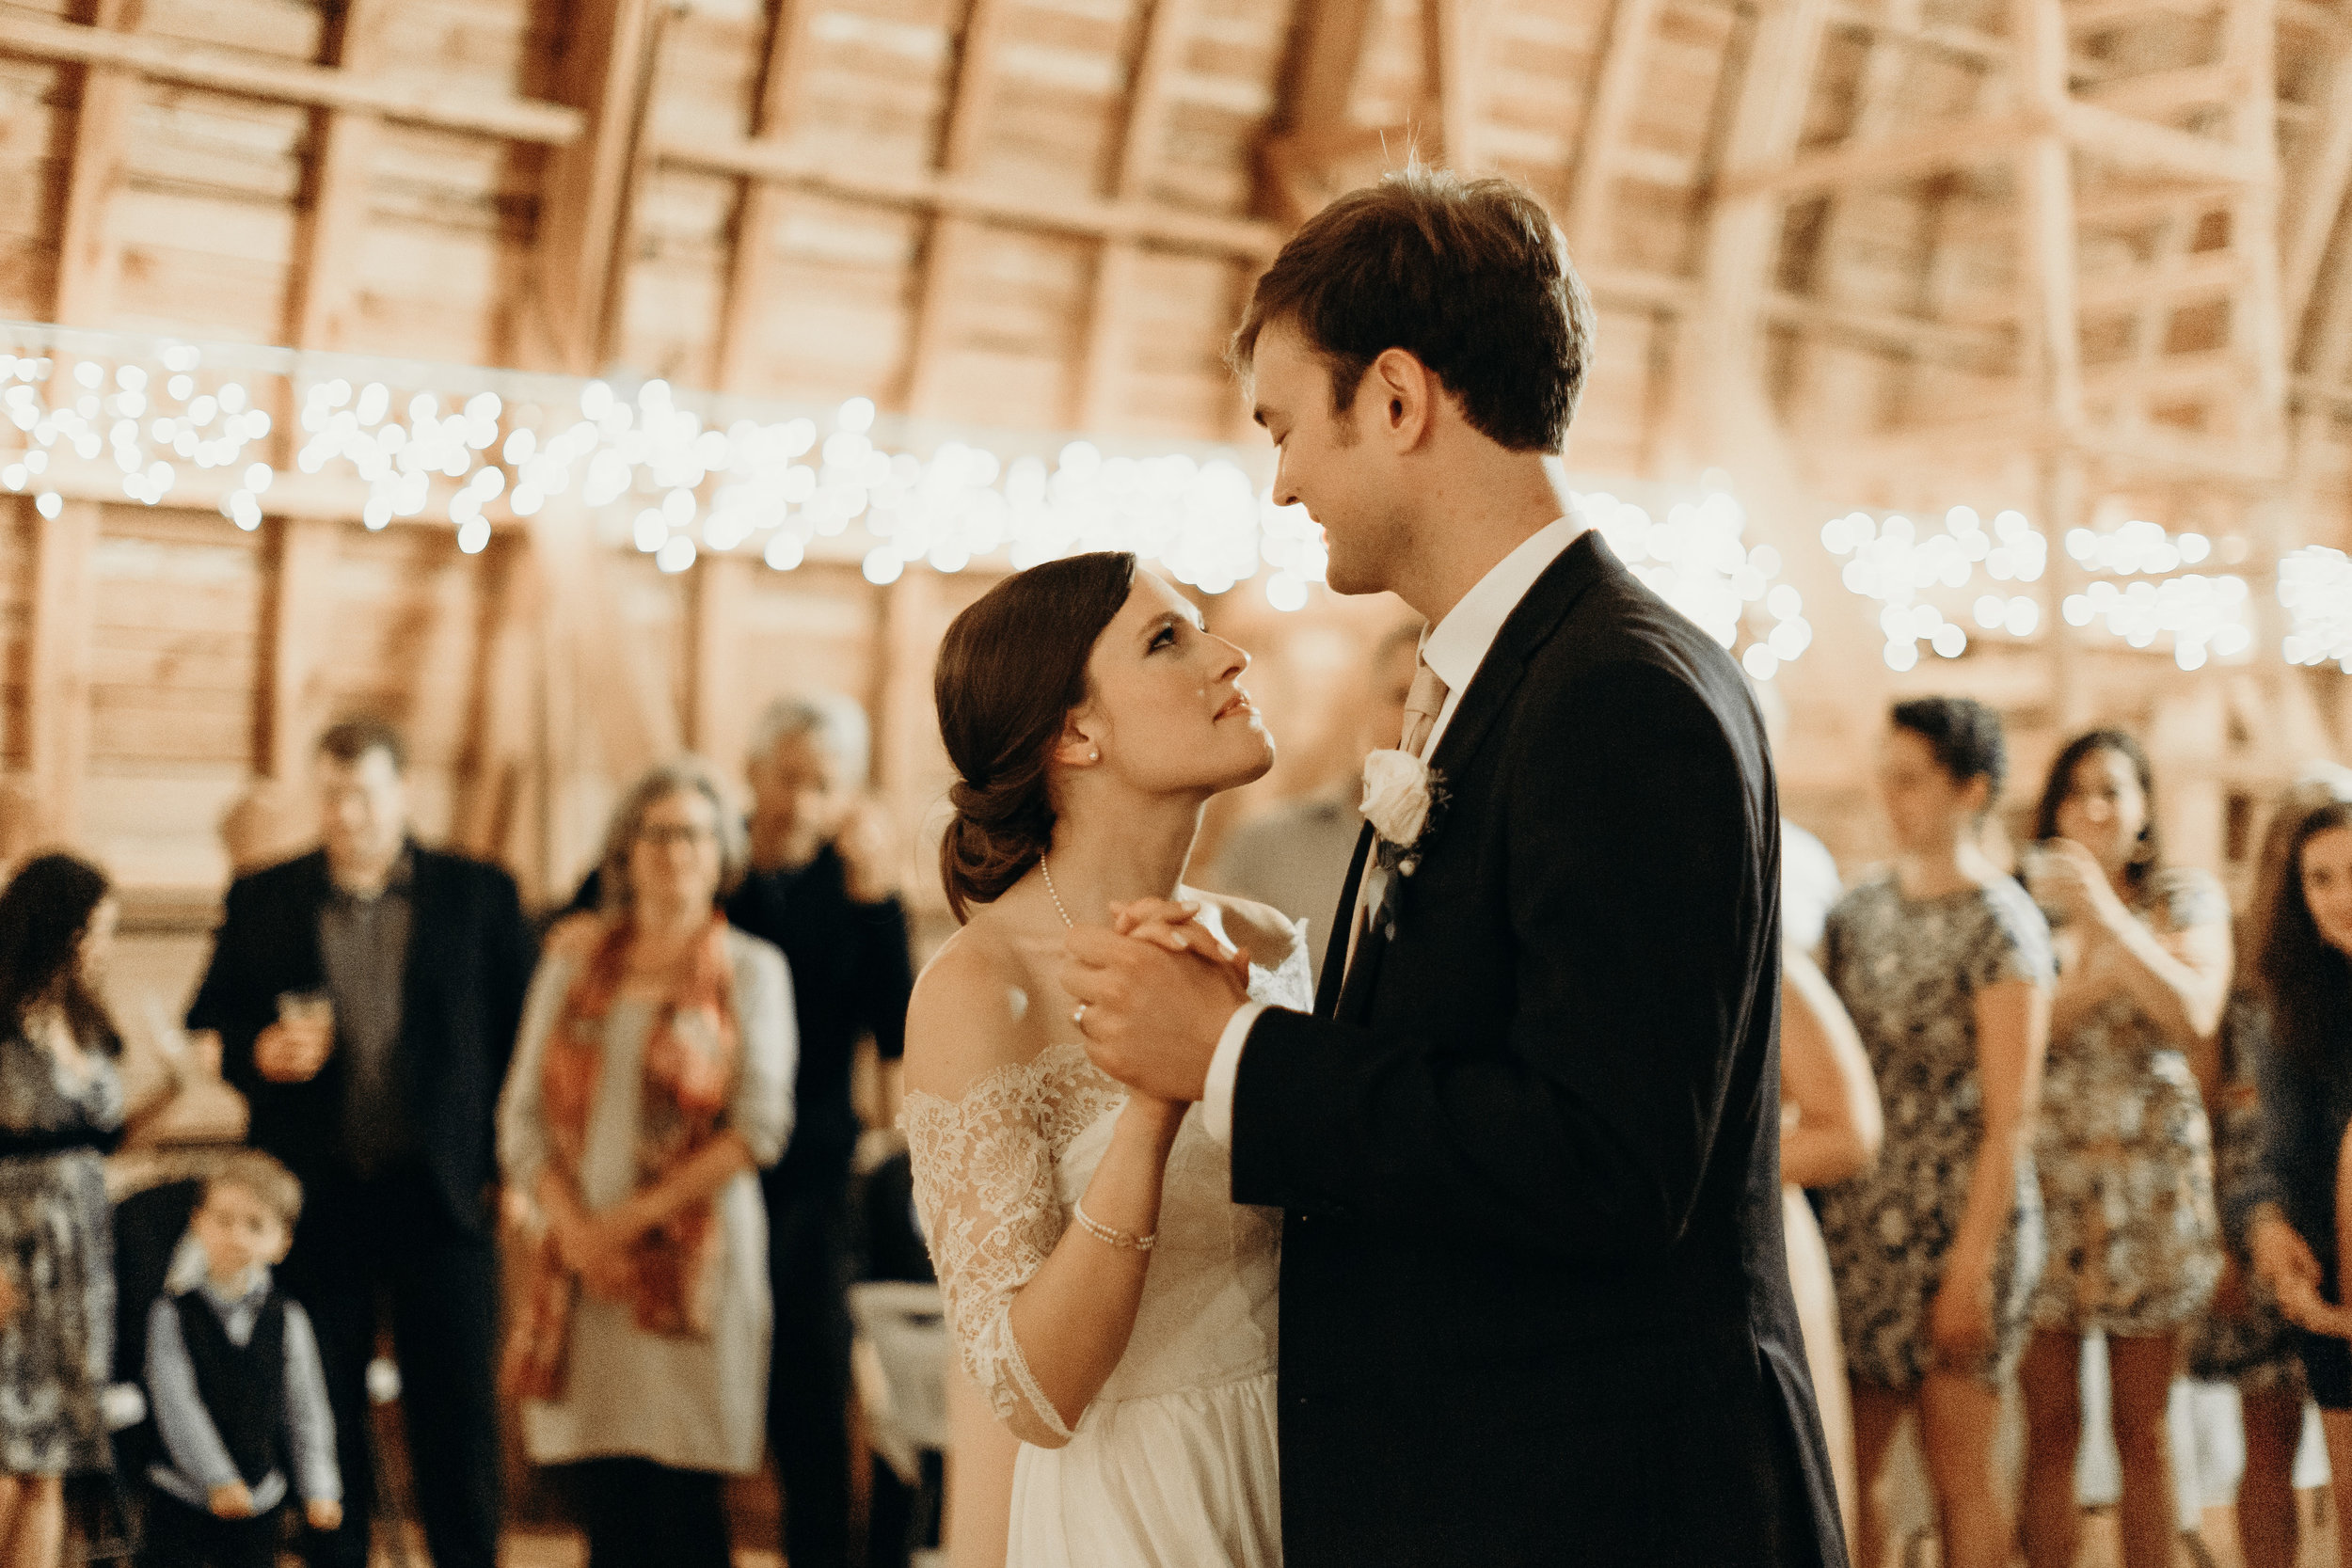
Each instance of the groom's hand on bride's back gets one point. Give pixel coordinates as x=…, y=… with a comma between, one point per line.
x=1157, y=990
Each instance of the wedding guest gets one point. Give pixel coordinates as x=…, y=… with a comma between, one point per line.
x=1295, y=856
x=650, y=1084
x=61, y=1111
x=366, y=996
x=2132, y=1241
x=2287, y=1208
x=1945, y=966
x=2243, y=1339
x=822, y=886
x=239, y=1403
x=1830, y=1132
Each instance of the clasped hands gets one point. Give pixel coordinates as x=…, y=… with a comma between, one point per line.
x=235, y=1501
x=596, y=1246
x=1154, y=992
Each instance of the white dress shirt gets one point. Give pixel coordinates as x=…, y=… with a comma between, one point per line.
x=1453, y=649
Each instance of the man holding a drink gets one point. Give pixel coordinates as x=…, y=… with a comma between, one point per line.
x=367, y=996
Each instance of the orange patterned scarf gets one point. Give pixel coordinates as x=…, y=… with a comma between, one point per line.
x=692, y=1055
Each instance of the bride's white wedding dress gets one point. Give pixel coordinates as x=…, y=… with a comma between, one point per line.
x=1173, y=1464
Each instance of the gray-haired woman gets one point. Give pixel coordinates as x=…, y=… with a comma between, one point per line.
x=652, y=1077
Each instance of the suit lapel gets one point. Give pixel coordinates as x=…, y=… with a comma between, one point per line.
x=1342, y=921
x=1346, y=997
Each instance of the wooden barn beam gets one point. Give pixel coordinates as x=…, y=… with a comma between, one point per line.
x=980, y=200
x=1610, y=109
x=333, y=216
x=971, y=88
x=1726, y=397
x=2128, y=145
x=2315, y=193
x=1451, y=31
x=1310, y=120
x=88, y=254
x=300, y=625
x=2047, y=259
x=1910, y=32
x=584, y=204
x=2092, y=16
x=57, y=665
x=751, y=261
x=1958, y=145
x=1135, y=156
x=233, y=71
x=2258, y=327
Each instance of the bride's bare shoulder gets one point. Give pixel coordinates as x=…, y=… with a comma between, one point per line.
x=1261, y=930
x=969, y=1012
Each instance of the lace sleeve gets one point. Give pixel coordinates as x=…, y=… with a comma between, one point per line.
x=984, y=1189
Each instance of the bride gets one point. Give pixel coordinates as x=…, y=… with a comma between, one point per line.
x=1114, y=1307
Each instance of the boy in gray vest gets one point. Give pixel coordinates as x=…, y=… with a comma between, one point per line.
x=232, y=1371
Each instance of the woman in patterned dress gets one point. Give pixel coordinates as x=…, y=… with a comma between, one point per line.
x=2122, y=1148
x=1944, y=964
x=60, y=1112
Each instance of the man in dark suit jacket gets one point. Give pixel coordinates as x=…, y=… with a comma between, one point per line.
x=386, y=1113
x=1535, y=1304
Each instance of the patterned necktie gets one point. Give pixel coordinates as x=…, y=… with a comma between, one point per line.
x=1422, y=708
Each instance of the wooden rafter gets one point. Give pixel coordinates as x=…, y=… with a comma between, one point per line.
x=88, y=254
x=2258, y=327
x=750, y=263
x=1451, y=31
x=1134, y=156
x=585, y=203
x=1743, y=231
x=962, y=124
x=2316, y=189
x=1312, y=126
x=57, y=663
x=2047, y=261
x=233, y=71
x=334, y=211
x=1609, y=109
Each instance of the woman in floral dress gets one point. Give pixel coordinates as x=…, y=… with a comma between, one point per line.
x=60, y=1112
x=1944, y=964
x=2125, y=1157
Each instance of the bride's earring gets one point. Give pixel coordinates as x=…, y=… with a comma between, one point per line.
x=1095, y=755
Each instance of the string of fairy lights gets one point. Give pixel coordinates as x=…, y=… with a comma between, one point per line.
x=677, y=476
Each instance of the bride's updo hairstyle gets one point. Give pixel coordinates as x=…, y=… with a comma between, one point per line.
x=1010, y=668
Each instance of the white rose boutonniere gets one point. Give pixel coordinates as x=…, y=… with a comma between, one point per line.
x=1400, y=793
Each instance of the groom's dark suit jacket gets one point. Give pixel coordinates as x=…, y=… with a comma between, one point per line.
x=1535, y=1304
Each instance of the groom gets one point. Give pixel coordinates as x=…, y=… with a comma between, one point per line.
x=1534, y=1306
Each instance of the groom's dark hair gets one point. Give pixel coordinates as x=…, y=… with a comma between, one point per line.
x=1469, y=276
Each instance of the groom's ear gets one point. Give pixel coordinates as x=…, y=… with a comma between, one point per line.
x=1403, y=395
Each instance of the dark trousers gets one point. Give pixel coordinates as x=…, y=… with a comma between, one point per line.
x=179, y=1536
x=808, y=1364
x=361, y=1247
x=640, y=1515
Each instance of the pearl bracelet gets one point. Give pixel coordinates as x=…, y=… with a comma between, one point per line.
x=1125, y=1240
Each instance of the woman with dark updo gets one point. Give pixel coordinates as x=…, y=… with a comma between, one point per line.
x=1944, y=964
x=1112, y=1304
